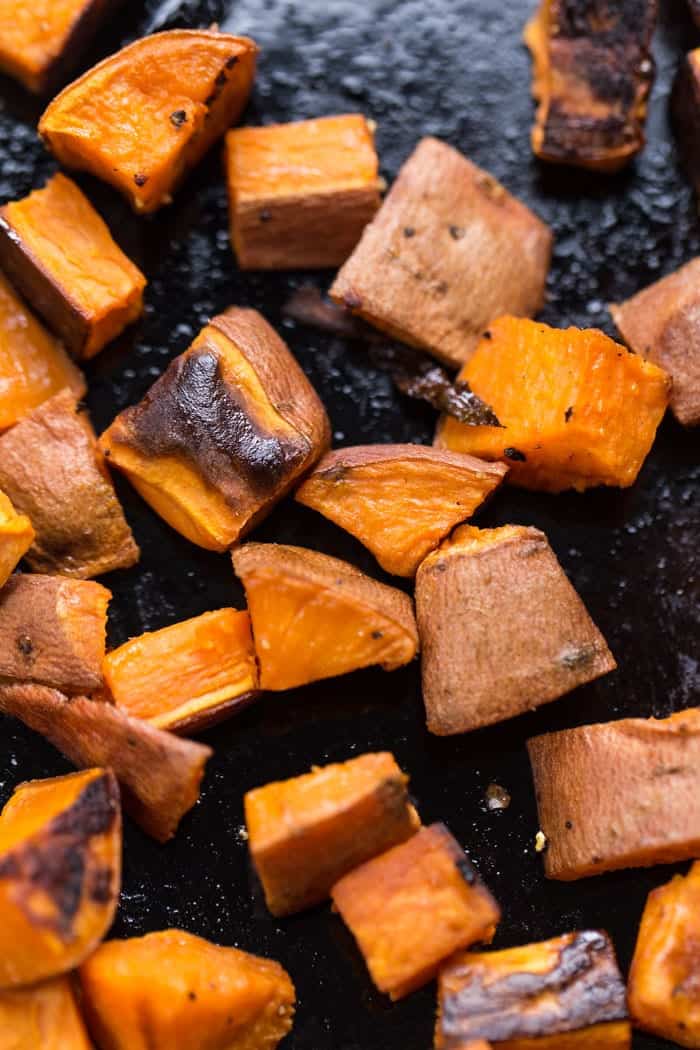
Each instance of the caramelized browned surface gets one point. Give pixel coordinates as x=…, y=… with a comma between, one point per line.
x=42, y=1017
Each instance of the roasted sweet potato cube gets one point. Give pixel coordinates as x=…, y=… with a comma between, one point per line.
x=622, y=794
x=188, y=676
x=592, y=74
x=226, y=431
x=145, y=116
x=563, y=994
x=44, y=1016
x=305, y=833
x=316, y=617
x=449, y=250
x=16, y=537
x=60, y=873
x=502, y=630
x=685, y=110
x=576, y=408
x=172, y=989
x=399, y=500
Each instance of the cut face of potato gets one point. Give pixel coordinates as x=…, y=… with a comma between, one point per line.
x=44, y=1016
x=16, y=537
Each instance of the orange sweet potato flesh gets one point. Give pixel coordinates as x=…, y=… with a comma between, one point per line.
x=412, y=907
x=304, y=834
x=399, y=500
x=60, y=873
x=145, y=116
x=188, y=676
x=172, y=989
x=576, y=408
x=42, y=1017
x=16, y=537
x=619, y=795
x=316, y=617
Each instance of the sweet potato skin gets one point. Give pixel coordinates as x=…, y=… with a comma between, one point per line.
x=685, y=112
x=618, y=795
x=16, y=537
x=304, y=834
x=43, y=1015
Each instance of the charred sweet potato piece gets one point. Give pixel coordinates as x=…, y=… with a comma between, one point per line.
x=301, y=194
x=52, y=470
x=449, y=250
x=411, y=907
x=60, y=873
x=662, y=324
x=592, y=74
x=563, y=994
x=502, y=630
x=316, y=617
x=305, y=833
x=145, y=116
x=188, y=676
x=399, y=500
x=685, y=110
x=42, y=1017
x=576, y=408
x=60, y=254
x=224, y=433
x=16, y=537
x=621, y=794
x=172, y=989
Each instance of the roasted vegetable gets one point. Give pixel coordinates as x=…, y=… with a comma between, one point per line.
x=501, y=628
x=563, y=994
x=621, y=794
x=576, y=408
x=449, y=250
x=592, y=74
x=147, y=115
x=685, y=110
x=399, y=500
x=42, y=1017
x=306, y=833
x=172, y=989
x=16, y=537
x=188, y=676
x=413, y=906
x=60, y=873
x=301, y=194
x=60, y=254
x=662, y=323
x=224, y=433
x=316, y=617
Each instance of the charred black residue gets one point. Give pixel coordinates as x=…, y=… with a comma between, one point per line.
x=515, y=455
x=219, y=85
x=409, y=231
x=568, y=414
x=26, y=647
x=620, y=24
x=178, y=118
x=265, y=215
x=92, y=813
x=140, y=180
x=231, y=62
x=457, y=232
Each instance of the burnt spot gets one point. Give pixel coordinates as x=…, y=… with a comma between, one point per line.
x=178, y=118
x=26, y=647
x=140, y=180
x=377, y=635
x=487, y=335
x=231, y=62
x=515, y=455
x=615, y=24
x=92, y=813
x=265, y=215
x=457, y=232
x=101, y=885
x=568, y=414
x=219, y=85
x=409, y=231
x=352, y=300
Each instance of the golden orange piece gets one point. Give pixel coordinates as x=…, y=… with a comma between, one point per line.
x=42, y=1017
x=16, y=537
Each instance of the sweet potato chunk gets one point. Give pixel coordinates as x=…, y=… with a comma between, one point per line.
x=145, y=116
x=60, y=254
x=301, y=194
x=563, y=994
x=224, y=433
x=316, y=617
x=411, y=907
x=172, y=989
x=621, y=794
x=449, y=250
x=60, y=873
x=188, y=676
x=502, y=630
x=399, y=500
x=592, y=74
x=42, y=1017
x=662, y=323
x=685, y=110
x=52, y=470
x=664, y=995
x=576, y=408
x=16, y=537
x=306, y=833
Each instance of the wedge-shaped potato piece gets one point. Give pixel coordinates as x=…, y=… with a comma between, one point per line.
x=306, y=833
x=576, y=408
x=172, y=989
x=188, y=676
x=621, y=794
x=399, y=500
x=449, y=250
x=316, y=617
x=16, y=537
x=60, y=873
x=52, y=470
x=685, y=110
x=502, y=630
x=413, y=906
x=301, y=194
x=224, y=433
x=145, y=116
x=563, y=994
x=592, y=74
x=42, y=1017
